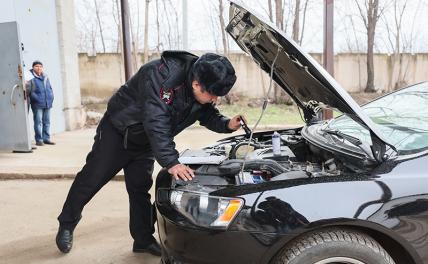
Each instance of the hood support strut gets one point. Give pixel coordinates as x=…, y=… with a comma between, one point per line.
x=265, y=103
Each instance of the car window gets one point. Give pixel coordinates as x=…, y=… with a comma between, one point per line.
x=402, y=118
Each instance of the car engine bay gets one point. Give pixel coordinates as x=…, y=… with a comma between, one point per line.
x=221, y=163
x=256, y=158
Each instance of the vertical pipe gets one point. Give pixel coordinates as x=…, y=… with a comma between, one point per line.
x=328, y=61
x=185, y=25
x=126, y=38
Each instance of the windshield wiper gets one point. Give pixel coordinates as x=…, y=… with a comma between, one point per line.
x=353, y=140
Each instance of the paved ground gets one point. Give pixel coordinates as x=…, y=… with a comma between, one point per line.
x=28, y=225
x=65, y=158
x=28, y=208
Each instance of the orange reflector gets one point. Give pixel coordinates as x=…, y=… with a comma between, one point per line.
x=230, y=211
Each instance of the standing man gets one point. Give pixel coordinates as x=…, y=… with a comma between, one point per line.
x=164, y=97
x=41, y=98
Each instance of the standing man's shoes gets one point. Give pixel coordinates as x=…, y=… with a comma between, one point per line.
x=39, y=143
x=152, y=248
x=48, y=142
x=64, y=240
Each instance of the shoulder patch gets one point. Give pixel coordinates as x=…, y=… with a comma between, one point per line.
x=166, y=95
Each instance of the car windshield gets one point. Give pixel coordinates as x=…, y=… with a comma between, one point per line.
x=402, y=118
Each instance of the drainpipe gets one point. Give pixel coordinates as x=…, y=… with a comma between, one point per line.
x=126, y=38
x=328, y=56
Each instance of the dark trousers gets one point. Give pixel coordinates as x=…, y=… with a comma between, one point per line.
x=107, y=157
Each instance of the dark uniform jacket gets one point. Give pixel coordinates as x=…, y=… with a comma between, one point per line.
x=157, y=103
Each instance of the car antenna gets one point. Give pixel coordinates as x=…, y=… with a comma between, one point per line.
x=265, y=103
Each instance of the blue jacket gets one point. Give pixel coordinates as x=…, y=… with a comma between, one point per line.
x=40, y=91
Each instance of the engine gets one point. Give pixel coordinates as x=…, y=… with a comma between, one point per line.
x=238, y=160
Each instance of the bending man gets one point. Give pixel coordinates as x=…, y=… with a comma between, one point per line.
x=164, y=97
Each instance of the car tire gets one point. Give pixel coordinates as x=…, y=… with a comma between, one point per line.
x=334, y=246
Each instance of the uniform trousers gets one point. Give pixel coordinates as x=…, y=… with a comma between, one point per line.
x=107, y=157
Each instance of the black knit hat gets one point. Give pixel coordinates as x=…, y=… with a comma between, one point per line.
x=215, y=73
x=37, y=62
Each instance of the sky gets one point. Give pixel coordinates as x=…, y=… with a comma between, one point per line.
x=204, y=34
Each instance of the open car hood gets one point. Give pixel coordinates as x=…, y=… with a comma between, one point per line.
x=307, y=82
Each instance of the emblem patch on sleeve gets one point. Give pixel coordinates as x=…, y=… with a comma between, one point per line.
x=166, y=96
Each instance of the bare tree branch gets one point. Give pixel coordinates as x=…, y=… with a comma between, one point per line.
x=223, y=27
x=213, y=11
x=289, y=15
x=296, y=20
x=370, y=17
x=166, y=15
x=270, y=10
x=279, y=14
x=362, y=14
x=412, y=36
x=304, y=22
x=389, y=34
x=262, y=6
x=177, y=37
x=146, y=31
x=158, y=46
x=97, y=12
x=135, y=35
x=117, y=21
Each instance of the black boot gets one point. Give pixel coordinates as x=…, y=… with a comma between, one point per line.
x=64, y=239
x=152, y=248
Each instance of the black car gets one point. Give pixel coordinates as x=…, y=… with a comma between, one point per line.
x=352, y=189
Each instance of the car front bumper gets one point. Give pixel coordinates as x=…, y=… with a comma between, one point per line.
x=189, y=244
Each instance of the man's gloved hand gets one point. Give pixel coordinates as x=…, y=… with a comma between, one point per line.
x=234, y=123
x=181, y=171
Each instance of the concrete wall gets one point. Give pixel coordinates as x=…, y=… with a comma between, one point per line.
x=102, y=74
x=351, y=72
x=47, y=33
x=38, y=31
x=73, y=111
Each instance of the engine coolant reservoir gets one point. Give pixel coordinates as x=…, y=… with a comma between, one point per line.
x=276, y=143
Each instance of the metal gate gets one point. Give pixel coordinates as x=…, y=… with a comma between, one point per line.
x=14, y=126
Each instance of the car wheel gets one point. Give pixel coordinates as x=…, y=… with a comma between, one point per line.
x=335, y=246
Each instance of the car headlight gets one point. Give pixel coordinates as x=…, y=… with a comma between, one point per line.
x=205, y=210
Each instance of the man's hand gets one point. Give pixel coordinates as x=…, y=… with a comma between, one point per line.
x=181, y=171
x=234, y=123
